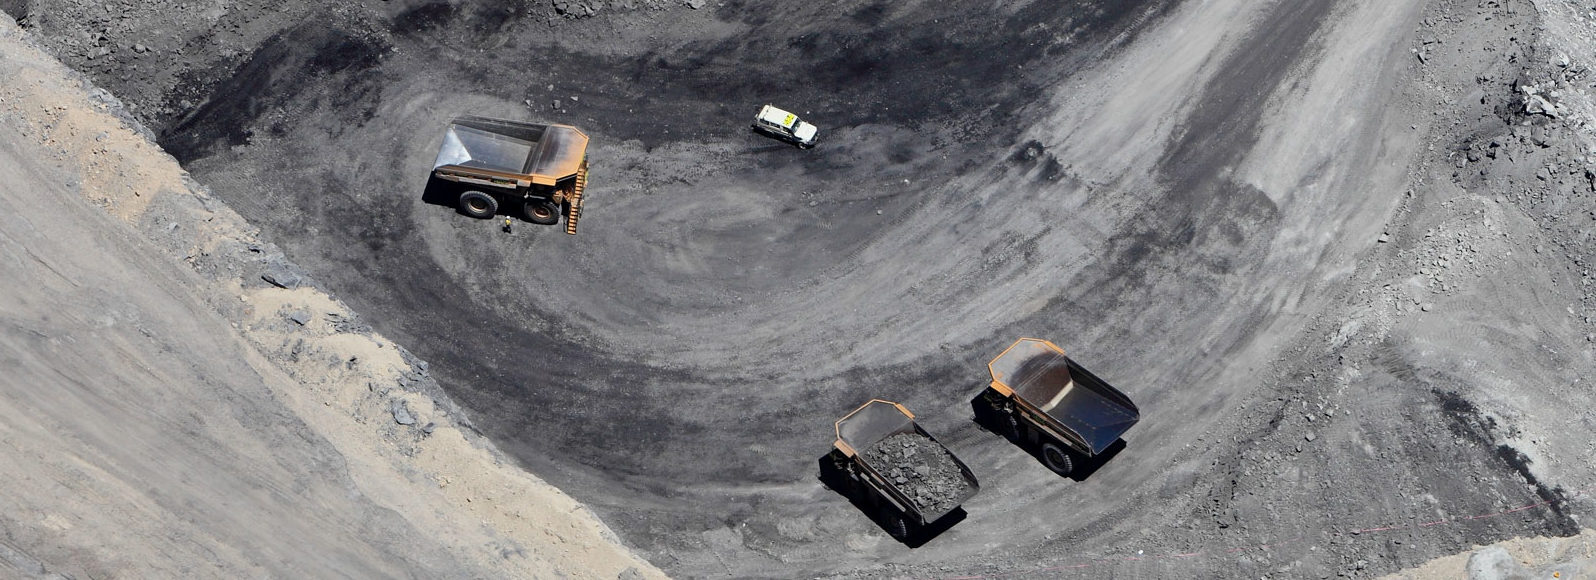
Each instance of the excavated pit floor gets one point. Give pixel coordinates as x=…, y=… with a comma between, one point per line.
x=1171, y=191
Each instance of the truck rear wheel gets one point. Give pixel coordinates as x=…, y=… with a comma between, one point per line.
x=541, y=212
x=896, y=525
x=478, y=205
x=1056, y=458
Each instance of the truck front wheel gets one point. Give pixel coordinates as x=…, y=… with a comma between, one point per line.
x=478, y=205
x=1056, y=458
x=541, y=212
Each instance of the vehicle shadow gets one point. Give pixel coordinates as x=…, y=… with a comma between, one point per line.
x=770, y=146
x=867, y=503
x=445, y=193
x=995, y=421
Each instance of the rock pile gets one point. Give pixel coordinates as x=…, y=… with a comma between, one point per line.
x=922, y=469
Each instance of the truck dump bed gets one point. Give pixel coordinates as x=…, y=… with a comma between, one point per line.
x=905, y=461
x=541, y=154
x=1063, y=395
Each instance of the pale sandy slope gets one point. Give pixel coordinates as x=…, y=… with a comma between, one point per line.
x=163, y=417
x=1568, y=558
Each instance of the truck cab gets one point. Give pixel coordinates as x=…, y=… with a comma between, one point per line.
x=785, y=126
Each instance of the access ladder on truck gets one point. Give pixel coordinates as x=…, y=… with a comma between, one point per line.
x=573, y=207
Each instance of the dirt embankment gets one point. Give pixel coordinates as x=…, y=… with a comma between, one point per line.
x=179, y=400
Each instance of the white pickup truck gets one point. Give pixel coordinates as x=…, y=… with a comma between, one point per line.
x=785, y=126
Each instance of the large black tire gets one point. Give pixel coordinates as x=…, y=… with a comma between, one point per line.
x=541, y=212
x=897, y=526
x=478, y=205
x=1057, y=459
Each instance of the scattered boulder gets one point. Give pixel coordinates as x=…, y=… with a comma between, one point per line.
x=1494, y=563
x=923, y=470
x=575, y=8
x=282, y=277
x=1537, y=105
x=401, y=413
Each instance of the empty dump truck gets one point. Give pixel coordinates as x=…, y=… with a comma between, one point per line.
x=536, y=171
x=1043, y=399
x=881, y=456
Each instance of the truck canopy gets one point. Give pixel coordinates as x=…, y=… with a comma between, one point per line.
x=871, y=423
x=1076, y=401
x=544, y=154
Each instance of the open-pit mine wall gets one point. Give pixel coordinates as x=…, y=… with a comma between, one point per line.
x=179, y=400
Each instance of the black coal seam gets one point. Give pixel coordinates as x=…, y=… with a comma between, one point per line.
x=273, y=75
x=1224, y=123
x=1465, y=421
x=1222, y=128
x=899, y=73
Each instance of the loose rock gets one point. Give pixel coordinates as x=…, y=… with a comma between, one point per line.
x=923, y=470
x=401, y=413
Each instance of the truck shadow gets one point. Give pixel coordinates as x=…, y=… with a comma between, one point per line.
x=445, y=193
x=867, y=504
x=996, y=422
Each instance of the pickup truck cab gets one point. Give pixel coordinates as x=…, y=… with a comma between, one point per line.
x=785, y=126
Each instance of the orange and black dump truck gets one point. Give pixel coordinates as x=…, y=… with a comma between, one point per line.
x=885, y=461
x=1044, y=400
x=536, y=171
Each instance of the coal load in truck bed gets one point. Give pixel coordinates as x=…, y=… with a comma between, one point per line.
x=921, y=468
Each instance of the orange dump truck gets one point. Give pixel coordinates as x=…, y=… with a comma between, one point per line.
x=885, y=460
x=1042, y=398
x=535, y=171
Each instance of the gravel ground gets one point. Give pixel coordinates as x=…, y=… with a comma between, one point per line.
x=1334, y=249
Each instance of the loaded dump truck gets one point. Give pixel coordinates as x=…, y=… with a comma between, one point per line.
x=1044, y=399
x=882, y=457
x=536, y=171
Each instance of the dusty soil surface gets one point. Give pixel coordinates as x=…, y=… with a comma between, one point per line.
x=167, y=412
x=922, y=470
x=1359, y=332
